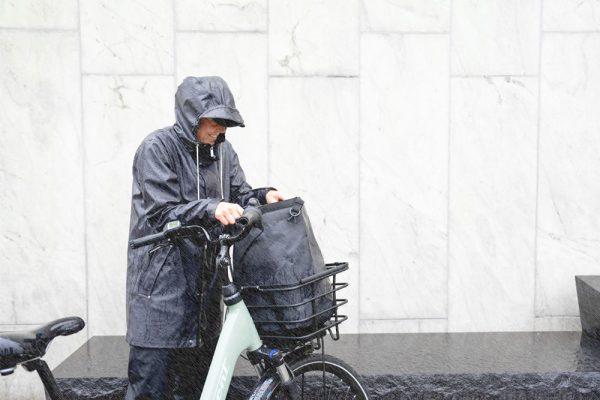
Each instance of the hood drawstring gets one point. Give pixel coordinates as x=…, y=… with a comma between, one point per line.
x=221, y=171
x=198, y=171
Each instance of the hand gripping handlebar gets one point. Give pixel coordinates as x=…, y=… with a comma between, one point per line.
x=252, y=217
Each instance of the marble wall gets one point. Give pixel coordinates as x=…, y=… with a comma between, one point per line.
x=446, y=148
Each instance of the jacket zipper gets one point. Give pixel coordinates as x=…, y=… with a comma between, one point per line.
x=202, y=317
x=199, y=284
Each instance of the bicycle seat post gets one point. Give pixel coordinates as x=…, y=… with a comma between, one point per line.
x=46, y=377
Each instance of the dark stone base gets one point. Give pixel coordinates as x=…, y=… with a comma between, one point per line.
x=565, y=386
x=517, y=365
x=588, y=297
x=486, y=386
x=115, y=388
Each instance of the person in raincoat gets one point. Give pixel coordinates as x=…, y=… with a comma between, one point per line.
x=189, y=173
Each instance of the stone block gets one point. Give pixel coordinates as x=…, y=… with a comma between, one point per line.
x=127, y=37
x=221, y=15
x=568, y=228
x=404, y=175
x=493, y=149
x=495, y=37
x=588, y=295
x=405, y=15
x=304, y=39
x=42, y=214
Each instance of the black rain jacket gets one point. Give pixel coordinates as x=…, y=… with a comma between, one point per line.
x=172, y=301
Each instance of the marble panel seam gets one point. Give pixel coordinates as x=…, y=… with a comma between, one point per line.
x=493, y=76
x=555, y=316
x=39, y=30
x=219, y=32
x=123, y=75
x=537, y=164
x=268, y=97
x=359, y=222
x=406, y=319
x=448, y=140
x=573, y=32
x=174, y=44
x=401, y=32
x=83, y=175
x=313, y=76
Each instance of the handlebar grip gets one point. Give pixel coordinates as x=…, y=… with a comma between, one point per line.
x=146, y=240
x=252, y=216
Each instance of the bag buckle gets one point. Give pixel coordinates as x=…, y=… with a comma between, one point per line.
x=294, y=212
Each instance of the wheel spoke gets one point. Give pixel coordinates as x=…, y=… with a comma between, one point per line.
x=346, y=394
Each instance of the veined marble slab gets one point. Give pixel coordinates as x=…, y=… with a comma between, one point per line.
x=127, y=37
x=571, y=15
x=569, y=189
x=405, y=15
x=313, y=134
x=39, y=14
x=221, y=15
x=43, y=259
x=304, y=39
x=244, y=68
x=118, y=113
x=404, y=175
x=495, y=37
x=493, y=153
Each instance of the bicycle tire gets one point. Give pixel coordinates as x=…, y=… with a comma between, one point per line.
x=270, y=389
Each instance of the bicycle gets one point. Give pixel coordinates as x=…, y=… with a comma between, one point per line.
x=287, y=365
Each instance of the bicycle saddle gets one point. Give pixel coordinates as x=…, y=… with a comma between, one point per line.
x=21, y=346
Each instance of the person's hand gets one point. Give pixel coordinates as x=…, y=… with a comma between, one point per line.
x=227, y=213
x=274, y=196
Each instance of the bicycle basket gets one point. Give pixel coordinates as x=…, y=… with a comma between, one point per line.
x=300, y=312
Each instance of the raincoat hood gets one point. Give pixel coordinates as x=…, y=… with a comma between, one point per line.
x=203, y=97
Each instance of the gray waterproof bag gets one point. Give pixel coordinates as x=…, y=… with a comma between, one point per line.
x=271, y=264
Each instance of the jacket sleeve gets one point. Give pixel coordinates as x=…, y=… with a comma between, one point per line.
x=160, y=190
x=241, y=191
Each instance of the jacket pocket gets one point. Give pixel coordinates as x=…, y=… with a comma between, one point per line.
x=156, y=261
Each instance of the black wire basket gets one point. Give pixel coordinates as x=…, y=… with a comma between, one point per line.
x=291, y=314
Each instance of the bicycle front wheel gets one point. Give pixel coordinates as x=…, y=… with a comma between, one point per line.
x=319, y=377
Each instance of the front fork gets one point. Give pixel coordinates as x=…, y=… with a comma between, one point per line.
x=265, y=358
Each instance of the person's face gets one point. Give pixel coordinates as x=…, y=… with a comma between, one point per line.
x=209, y=130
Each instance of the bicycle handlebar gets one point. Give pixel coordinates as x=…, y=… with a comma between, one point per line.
x=251, y=217
x=146, y=240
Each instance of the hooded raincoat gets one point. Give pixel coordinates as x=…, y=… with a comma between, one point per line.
x=170, y=302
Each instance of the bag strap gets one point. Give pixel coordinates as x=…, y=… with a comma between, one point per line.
x=265, y=208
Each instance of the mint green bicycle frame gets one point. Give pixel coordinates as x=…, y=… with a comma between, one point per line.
x=238, y=334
